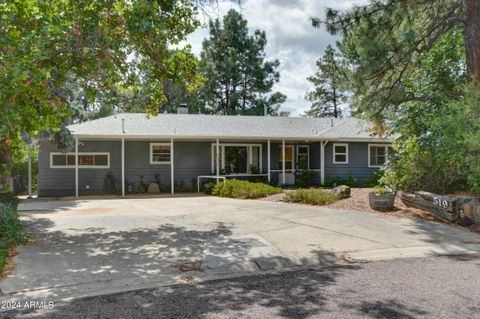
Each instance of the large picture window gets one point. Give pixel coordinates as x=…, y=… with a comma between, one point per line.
x=340, y=153
x=159, y=153
x=377, y=155
x=85, y=160
x=238, y=158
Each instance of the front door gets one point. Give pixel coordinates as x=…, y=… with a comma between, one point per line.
x=289, y=164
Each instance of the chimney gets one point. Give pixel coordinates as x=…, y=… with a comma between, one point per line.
x=123, y=126
x=182, y=109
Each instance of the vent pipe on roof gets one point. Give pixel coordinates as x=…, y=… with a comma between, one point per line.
x=123, y=126
x=331, y=122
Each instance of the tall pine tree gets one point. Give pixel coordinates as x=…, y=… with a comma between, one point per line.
x=327, y=95
x=238, y=78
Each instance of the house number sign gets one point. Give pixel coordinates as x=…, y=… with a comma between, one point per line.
x=441, y=202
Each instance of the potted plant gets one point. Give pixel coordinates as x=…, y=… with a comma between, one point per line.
x=381, y=199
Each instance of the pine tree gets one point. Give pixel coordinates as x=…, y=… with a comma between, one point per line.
x=238, y=78
x=327, y=96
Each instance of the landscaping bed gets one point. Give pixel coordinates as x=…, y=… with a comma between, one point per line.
x=240, y=189
x=11, y=232
x=358, y=201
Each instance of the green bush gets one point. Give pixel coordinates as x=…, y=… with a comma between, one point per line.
x=243, y=189
x=312, y=196
x=350, y=181
x=11, y=231
x=374, y=180
x=257, y=179
x=208, y=187
x=304, y=178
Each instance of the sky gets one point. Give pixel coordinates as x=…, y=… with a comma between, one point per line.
x=290, y=38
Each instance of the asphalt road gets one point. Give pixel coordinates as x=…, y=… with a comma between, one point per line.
x=441, y=287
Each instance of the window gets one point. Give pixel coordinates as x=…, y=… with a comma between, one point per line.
x=255, y=159
x=238, y=158
x=303, y=157
x=159, y=153
x=377, y=155
x=85, y=160
x=340, y=153
x=288, y=157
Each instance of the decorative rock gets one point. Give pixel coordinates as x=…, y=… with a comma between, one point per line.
x=153, y=188
x=342, y=191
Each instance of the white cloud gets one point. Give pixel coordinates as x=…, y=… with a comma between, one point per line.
x=291, y=39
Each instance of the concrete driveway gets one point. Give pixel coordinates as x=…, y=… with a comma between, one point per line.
x=89, y=247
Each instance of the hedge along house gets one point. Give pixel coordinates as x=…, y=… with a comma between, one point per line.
x=180, y=149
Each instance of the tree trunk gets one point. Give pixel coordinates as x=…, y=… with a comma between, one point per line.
x=471, y=33
x=335, y=112
x=6, y=180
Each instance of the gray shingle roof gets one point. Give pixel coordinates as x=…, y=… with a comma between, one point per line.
x=221, y=126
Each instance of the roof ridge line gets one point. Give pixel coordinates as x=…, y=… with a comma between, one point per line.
x=339, y=125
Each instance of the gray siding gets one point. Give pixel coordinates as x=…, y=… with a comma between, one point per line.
x=191, y=159
x=357, y=162
x=61, y=181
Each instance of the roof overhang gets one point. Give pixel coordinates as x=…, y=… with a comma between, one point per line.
x=203, y=138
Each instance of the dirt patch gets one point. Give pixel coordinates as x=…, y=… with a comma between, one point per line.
x=358, y=201
x=475, y=228
x=190, y=266
x=9, y=265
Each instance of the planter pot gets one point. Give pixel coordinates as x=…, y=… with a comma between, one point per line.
x=382, y=203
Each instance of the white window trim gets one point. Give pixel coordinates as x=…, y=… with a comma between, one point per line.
x=293, y=158
x=79, y=154
x=386, y=146
x=249, y=154
x=346, y=153
x=308, y=154
x=152, y=162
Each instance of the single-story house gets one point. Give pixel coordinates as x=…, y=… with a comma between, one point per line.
x=183, y=148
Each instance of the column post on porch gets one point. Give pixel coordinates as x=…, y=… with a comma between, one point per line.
x=76, y=166
x=268, y=161
x=29, y=176
x=322, y=161
x=123, y=167
x=172, y=168
x=217, y=159
x=283, y=162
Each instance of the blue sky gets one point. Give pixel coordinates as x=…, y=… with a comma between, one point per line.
x=291, y=39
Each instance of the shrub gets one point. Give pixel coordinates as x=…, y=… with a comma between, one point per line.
x=142, y=187
x=208, y=187
x=257, y=179
x=350, y=181
x=312, y=196
x=11, y=231
x=243, y=189
x=304, y=177
x=374, y=180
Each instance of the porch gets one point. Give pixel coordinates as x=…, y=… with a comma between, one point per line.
x=178, y=161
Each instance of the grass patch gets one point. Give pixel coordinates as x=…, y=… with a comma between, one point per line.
x=244, y=190
x=11, y=229
x=312, y=196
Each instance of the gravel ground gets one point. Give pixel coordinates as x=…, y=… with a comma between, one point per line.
x=443, y=287
x=358, y=201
